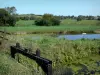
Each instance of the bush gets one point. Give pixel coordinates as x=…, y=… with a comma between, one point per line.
x=47, y=20
x=39, y=22
x=79, y=19
x=11, y=21
x=98, y=18
x=55, y=21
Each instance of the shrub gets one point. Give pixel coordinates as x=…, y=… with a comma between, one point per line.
x=47, y=20
x=11, y=21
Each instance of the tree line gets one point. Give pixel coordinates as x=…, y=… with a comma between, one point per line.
x=78, y=18
x=8, y=17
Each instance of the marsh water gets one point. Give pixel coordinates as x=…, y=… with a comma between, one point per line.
x=80, y=36
x=74, y=37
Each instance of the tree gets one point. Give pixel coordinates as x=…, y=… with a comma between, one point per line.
x=6, y=18
x=3, y=16
x=98, y=18
x=79, y=18
x=11, y=10
x=13, y=16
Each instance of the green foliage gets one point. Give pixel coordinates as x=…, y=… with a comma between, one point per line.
x=11, y=10
x=9, y=66
x=11, y=21
x=3, y=17
x=47, y=20
x=63, y=53
x=99, y=18
x=55, y=22
x=6, y=18
x=79, y=18
x=63, y=71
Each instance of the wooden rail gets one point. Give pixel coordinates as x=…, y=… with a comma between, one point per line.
x=45, y=64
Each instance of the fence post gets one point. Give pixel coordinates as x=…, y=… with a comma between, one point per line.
x=49, y=69
x=18, y=45
x=99, y=50
x=38, y=52
x=13, y=51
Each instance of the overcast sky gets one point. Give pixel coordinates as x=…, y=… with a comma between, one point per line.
x=56, y=7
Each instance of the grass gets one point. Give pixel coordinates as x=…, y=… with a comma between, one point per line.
x=9, y=66
x=63, y=53
x=67, y=26
x=83, y=22
x=53, y=29
x=25, y=23
x=63, y=22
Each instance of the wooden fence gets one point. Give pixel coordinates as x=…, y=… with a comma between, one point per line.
x=44, y=63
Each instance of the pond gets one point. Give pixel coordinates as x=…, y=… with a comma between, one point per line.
x=80, y=36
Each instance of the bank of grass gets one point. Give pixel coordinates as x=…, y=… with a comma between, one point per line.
x=64, y=53
x=53, y=29
x=9, y=66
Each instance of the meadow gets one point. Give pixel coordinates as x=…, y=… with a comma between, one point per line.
x=66, y=26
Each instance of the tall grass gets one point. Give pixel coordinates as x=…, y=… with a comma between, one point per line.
x=9, y=66
x=63, y=53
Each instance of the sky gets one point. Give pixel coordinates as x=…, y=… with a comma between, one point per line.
x=56, y=7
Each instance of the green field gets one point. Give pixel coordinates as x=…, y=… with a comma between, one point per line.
x=52, y=28
x=82, y=22
x=67, y=26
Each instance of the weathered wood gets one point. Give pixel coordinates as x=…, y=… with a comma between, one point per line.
x=38, y=52
x=45, y=64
